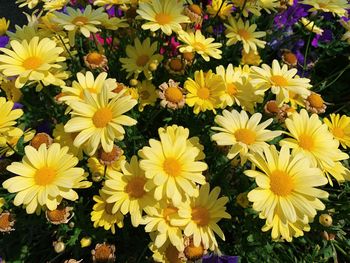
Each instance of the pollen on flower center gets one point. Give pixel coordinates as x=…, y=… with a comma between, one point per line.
x=281, y=183
x=103, y=253
x=32, y=63
x=163, y=19
x=168, y=211
x=315, y=100
x=172, y=254
x=231, y=89
x=173, y=94
x=94, y=58
x=142, y=60
x=244, y=34
x=279, y=80
x=80, y=20
x=200, y=215
x=245, y=136
x=102, y=117
x=306, y=142
x=338, y=132
x=172, y=167
x=135, y=187
x=203, y=93
x=45, y=176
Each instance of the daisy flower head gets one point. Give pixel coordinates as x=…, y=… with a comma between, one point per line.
x=98, y=120
x=339, y=126
x=312, y=138
x=247, y=7
x=286, y=192
x=4, y=25
x=110, y=3
x=204, y=91
x=281, y=80
x=32, y=61
x=245, y=135
x=172, y=166
x=196, y=42
x=251, y=58
x=336, y=7
x=221, y=8
x=172, y=95
x=239, y=31
x=85, y=22
x=8, y=143
x=52, y=5
x=165, y=15
x=8, y=119
x=95, y=60
x=45, y=177
x=147, y=94
x=102, y=214
x=127, y=191
x=167, y=253
x=140, y=56
x=200, y=216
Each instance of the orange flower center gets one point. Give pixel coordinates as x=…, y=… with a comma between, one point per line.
x=40, y=139
x=281, y=183
x=272, y=106
x=203, y=93
x=189, y=56
x=245, y=136
x=172, y=167
x=195, y=9
x=102, y=117
x=110, y=157
x=290, y=58
x=163, y=18
x=94, y=58
x=315, y=100
x=119, y=88
x=103, y=253
x=57, y=215
x=168, y=211
x=45, y=176
x=338, y=132
x=306, y=142
x=200, y=215
x=172, y=254
x=173, y=94
x=5, y=221
x=192, y=252
x=278, y=80
x=142, y=60
x=80, y=20
x=176, y=64
x=231, y=89
x=244, y=34
x=32, y=63
x=135, y=187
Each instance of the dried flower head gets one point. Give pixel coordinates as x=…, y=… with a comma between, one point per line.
x=172, y=95
x=95, y=60
x=103, y=253
x=194, y=12
x=176, y=65
x=6, y=222
x=315, y=104
x=289, y=58
x=191, y=252
x=41, y=138
x=61, y=215
x=110, y=157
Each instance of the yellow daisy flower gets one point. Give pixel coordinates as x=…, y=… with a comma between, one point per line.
x=9, y=145
x=52, y=5
x=247, y=6
x=45, y=177
x=239, y=31
x=166, y=253
x=32, y=62
x=200, y=217
x=163, y=14
x=147, y=94
x=12, y=93
x=339, y=126
x=8, y=119
x=286, y=191
x=139, y=58
x=98, y=121
x=30, y=3
x=281, y=80
x=172, y=166
x=220, y=7
x=245, y=135
x=338, y=7
x=312, y=138
x=205, y=91
x=110, y=3
x=251, y=58
x=196, y=42
x=126, y=191
x=86, y=22
x=269, y=5
x=4, y=25
x=102, y=214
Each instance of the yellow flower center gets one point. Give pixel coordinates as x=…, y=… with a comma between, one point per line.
x=144, y=95
x=338, y=132
x=135, y=187
x=244, y=34
x=103, y=253
x=168, y=211
x=245, y=136
x=45, y=176
x=80, y=20
x=172, y=254
x=172, y=167
x=102, y=117
x=142, y=60
x=281, y=183
x=5, y=221
x=163, y=18
x=199, y=46
x=32, y=63
x=173, y=94
x=200, y=215
x=203, y=93
x=175, y=64
x=231, y=89
x=306, y=142
x=315, y=100
x=195, y=9
x=94, y=58
x=278, y=80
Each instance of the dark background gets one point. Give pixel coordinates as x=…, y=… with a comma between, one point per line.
x=9, y=9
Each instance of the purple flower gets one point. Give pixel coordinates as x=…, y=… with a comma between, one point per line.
x=212, y=258
x=17, y=105
x=4, y=41
x=326, y=37
x=291, y=15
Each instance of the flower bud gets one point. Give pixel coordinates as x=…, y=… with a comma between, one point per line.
x=325, y=220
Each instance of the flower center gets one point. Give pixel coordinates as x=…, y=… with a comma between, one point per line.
x=244, y=34
x=175, y=64
x=163, y=19
x=102, y=117
x=5, y=221
x=231, y=89
x=290, y=58
x=110, y=157
x=57, y=215
x=189, y=56
x=172, y=254
x=94, y=58
x=192, y=252
x=195, y=9
x=45, y=176
x=103, y=253
x=32, y=63
x=278, y=80
x=142, y=60
x=172, y=167
x=173, y=94
x=272, y=106
x=135, y=187
x=315, y=100
x=203, y=93
x=199, y=46
x=200, y=215
x=109, y=208
x=306, y=142
x=281, y=183
x=39, y=139
x=245, y=136
x=168, y=211
x=144, y=95
x=338, y=132
x=80, y=20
